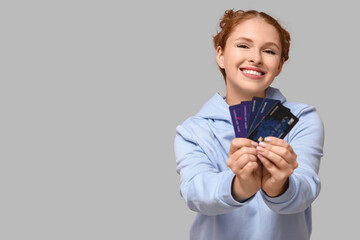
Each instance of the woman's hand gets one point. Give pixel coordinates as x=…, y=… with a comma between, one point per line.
x=279, y=162
x=244, y=163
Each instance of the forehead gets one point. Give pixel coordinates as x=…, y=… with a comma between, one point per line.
x=256, y=29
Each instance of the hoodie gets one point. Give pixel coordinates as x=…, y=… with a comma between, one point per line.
x=202, y=144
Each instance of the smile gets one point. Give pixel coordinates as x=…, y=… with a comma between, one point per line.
x=252, y=72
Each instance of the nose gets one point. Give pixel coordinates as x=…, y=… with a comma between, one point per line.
x=255, y=57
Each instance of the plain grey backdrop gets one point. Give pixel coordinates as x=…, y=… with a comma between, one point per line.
x=91, y=93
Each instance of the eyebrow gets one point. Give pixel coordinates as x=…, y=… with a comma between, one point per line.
x=250, y=40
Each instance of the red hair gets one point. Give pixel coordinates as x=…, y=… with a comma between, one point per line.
x=232, y=18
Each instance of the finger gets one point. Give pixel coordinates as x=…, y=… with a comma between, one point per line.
x=278, y=142
x=276, y=159
x=238, y=143
x=276, y=173
x=271, y=168
x=244, y=150
x=284, y=152
x=268, y=165
x=247, y=171
x=281, y=148
x=241, y=161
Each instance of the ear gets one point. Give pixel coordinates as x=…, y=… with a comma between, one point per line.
x=282, y=61
x=220, y=57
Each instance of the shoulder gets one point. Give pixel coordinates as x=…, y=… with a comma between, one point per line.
x=304, y=112
x=299, y=109
x=192, y=126
x=214, y=111
x=310, y=123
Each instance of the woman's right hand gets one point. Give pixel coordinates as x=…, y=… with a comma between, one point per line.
x=246, y=166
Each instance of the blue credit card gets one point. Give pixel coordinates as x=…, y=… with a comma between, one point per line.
x=236, y=118
x=266, y=106
x=245, y=114
x=277, y=123
x=240, y=114
x=254, y=108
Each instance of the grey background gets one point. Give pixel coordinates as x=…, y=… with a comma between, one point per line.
x=91, y=93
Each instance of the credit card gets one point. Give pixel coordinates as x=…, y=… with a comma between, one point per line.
x=266, y=106
x=277, y=123
x=240, y=114
x=255, y=106
x=236, y=120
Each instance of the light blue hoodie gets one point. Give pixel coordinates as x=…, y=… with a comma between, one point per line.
x=202, y=144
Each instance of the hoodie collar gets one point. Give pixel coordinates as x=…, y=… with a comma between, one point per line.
x=217, y=108
x=275, y=93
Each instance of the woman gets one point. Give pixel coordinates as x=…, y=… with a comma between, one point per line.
x=242, y=189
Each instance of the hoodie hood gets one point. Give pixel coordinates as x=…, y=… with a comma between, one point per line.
x=217, y=108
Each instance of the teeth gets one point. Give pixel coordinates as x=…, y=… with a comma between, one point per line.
x=252, y=72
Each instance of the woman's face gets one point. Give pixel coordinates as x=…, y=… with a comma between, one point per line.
x=251, y=58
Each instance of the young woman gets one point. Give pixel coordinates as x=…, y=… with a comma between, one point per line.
x=242, y=189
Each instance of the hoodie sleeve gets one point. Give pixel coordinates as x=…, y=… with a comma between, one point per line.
x=204, y=188
x=307, y=140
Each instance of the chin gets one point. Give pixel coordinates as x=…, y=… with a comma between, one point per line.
x=248, y=88
x=255, y=91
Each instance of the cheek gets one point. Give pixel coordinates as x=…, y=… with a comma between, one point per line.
x=233, y=60
x=275, y=65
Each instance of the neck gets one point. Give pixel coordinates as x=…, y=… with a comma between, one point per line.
x=236, y=97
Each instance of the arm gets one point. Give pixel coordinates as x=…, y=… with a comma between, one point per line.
x=303, y=185
x=244, y=163
x=203, y=186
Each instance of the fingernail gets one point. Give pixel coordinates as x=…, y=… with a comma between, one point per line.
x=263, y=144
x=260, y=148
x=267, y=139
x=255, y=144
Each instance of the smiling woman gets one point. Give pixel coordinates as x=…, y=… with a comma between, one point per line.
x=250, y=47
x=242, y=189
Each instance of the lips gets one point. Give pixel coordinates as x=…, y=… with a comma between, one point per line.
x=252, y=72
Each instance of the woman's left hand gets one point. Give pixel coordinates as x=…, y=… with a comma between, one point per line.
x=279, y=162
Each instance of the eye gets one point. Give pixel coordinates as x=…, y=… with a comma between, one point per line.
x=242, y=46
x=270, y=52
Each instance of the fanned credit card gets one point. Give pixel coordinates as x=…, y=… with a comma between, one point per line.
x=260, y=118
